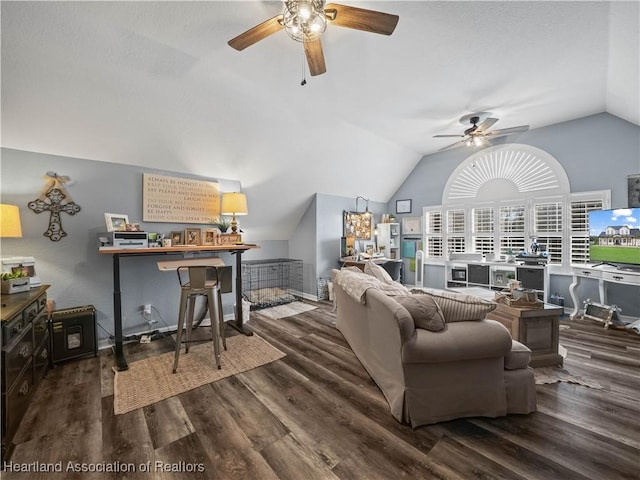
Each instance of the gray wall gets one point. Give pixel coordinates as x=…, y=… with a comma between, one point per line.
x=78, y=275
x=597, y=153
x=302, y=246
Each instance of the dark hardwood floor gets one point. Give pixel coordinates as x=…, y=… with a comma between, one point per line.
x=316, y=414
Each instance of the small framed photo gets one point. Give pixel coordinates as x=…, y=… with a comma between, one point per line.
x=500, y=279
x=403, y=206
x=116, y=222
x=132, y=227
x=209, y=236
x=192, y=236
x=177, y=238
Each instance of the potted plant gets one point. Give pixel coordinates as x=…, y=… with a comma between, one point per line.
x=510, y=255
x=14, y=282
x=221, y=224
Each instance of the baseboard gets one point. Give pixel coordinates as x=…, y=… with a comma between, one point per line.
x=105, y=343
x=304, y=295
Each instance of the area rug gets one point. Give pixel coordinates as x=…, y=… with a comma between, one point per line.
x=151, y=380
x=548, y=375
x=286, y=310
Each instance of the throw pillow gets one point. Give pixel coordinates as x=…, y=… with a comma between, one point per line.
x=424, y=310
x=459, y=307
x=377, y=271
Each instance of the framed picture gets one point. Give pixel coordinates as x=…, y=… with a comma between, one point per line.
x=192, y=236
x=177, y=238
x=403, y=206
x=500, y=279
x=209, y=236
x=116, y=222
x=633, y=186
x=412, y=225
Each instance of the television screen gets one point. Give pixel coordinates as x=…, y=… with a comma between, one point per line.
x=615, y=236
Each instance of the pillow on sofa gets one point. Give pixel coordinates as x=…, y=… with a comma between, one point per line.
x=377, y=271
x=459, y=307
x=424, y=310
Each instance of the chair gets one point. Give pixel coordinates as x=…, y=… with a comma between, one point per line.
x=393, y=268
x=198, y=285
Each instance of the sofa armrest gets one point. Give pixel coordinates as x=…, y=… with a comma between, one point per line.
x=459, y=341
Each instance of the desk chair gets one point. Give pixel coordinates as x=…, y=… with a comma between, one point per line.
x=393, y=268
x=198, y=285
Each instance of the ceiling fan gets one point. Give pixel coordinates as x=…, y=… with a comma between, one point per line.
x=479, y=131
x=306, y=20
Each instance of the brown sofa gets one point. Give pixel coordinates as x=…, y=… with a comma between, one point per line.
x=467, y=369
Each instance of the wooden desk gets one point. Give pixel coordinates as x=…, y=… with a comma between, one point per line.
x=116, y=253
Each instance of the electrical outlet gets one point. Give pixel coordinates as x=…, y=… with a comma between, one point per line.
x=146, y=309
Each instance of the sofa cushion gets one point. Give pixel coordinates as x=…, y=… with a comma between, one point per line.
x=459, y=307
x=372, y=268
x=424, y=310
x=457, y=342
x=518, y=357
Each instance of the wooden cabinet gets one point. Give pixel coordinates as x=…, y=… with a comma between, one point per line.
x=495, y=275
x=389, y=240
x=25, y=356
x=538, y=329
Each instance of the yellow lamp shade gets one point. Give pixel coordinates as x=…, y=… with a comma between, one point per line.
x=234, y=203
x=10, y=221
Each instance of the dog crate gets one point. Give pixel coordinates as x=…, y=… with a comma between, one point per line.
x=267, y=283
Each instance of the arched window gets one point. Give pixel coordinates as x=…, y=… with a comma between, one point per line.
x=500, y=198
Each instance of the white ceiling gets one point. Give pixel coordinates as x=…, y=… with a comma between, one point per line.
x=155, y=84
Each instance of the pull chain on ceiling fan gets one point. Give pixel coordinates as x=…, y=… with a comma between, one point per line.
x=479, y=132
x=306, y=20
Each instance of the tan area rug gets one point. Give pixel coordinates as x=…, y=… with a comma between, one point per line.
x=151, y=380
x=286, y=310
x=546, y=375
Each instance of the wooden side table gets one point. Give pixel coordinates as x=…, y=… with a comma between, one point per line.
x=538, y=329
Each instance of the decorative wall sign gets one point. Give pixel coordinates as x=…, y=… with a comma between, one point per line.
x=179, y=200
x=403, y=206
x=52, y=199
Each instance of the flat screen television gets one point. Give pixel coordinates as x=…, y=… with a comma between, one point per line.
x=614, y=237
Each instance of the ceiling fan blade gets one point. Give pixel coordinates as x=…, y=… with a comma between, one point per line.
x=257, y=33
x=447, y=136
x=315, y=57
x=508, y=131
x=487, y=124
x=361, y=19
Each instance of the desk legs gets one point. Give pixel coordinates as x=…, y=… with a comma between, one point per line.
x=237, y=325
x=121, y=361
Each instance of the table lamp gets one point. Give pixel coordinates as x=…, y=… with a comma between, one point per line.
x=10, y=221
x=234, y=203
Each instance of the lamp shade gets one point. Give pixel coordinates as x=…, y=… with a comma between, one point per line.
x=10, y=221
x=234, y=203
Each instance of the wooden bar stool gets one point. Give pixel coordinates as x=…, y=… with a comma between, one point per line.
x=198, y=284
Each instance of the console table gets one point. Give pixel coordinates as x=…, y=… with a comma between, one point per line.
x=605, y=274
x=116, y=253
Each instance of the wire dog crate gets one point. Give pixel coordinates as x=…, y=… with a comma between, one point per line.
x=266, y=283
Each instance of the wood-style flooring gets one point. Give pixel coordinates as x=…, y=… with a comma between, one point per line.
x=316, y=414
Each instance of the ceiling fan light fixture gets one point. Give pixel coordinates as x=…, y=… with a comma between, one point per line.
x=304, y=20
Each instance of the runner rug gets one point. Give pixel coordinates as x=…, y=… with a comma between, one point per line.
x=151, y=380
x=286, y=310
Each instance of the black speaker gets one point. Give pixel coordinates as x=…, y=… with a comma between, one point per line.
x=73, y=333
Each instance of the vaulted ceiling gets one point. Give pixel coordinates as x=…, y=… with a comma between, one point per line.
x=155, y=84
